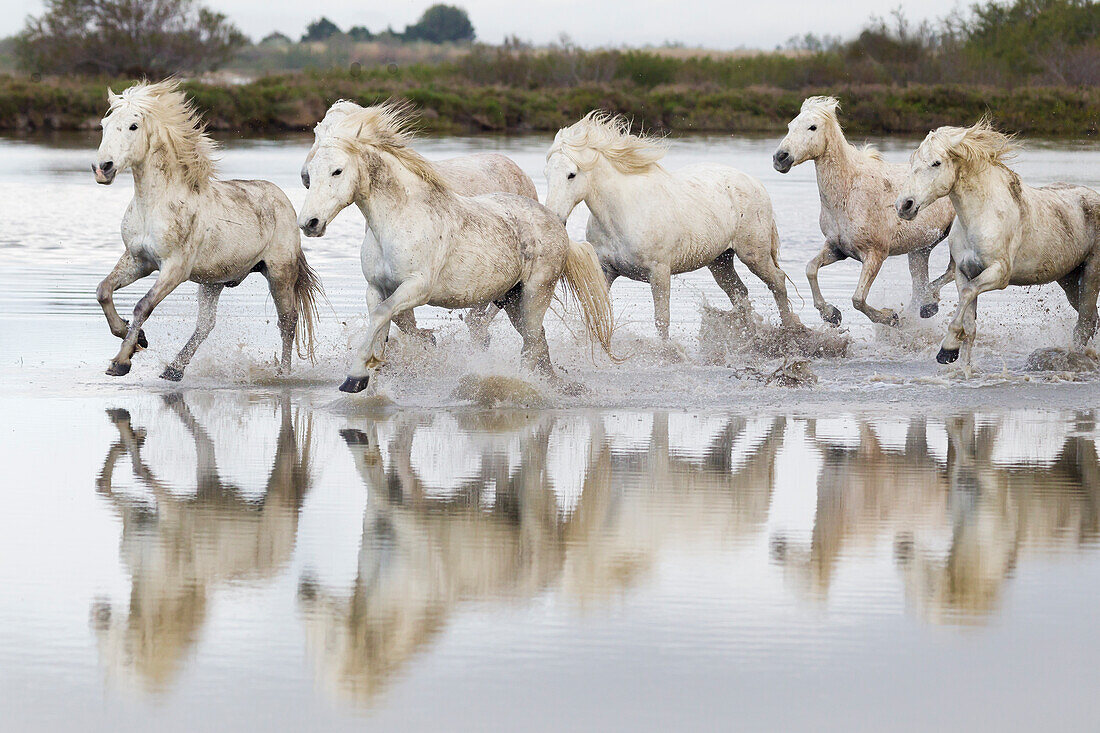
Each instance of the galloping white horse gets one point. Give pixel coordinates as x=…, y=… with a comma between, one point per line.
x=1007, y=233
x=438, y=248
x=189, y=225
x=648, y=223
x=857, y=189
x=468, y=175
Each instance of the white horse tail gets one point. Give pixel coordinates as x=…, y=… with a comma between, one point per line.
x=775, y=258
x=307, y=286
x=585, y=281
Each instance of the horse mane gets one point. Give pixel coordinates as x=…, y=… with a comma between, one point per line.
x=602, y=133
x=339, y=109
x=176, y=123
x=827, y=108
x=387, y=128
x=979, y=144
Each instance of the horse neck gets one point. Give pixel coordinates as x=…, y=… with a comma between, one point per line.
x=396, y=194
x=614, y=196
x=835, y=167
x=157, y=174
x=975, y=190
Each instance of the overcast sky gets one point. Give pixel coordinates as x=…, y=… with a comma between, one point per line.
x=710, y=23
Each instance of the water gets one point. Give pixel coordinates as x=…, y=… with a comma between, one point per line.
x=683, y=546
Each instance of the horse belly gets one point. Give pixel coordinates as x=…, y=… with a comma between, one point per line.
x=474, y=276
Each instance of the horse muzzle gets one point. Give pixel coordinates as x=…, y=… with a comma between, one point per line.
x=907, y=208
x=312, y=227
x=104, y=172
x=782, y=161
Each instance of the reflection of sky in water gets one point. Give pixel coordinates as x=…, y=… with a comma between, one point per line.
x=245, y=552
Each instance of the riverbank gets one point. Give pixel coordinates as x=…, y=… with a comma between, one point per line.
x=288, y=102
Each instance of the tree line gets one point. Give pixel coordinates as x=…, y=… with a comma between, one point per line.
x=156, y=38
x=1006, y=43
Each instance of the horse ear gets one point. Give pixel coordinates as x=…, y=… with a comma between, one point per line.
x=111, y=96
x=955, y=136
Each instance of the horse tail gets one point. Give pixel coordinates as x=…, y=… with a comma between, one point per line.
x=775, y=259
x=584, y=280
x=307, y=286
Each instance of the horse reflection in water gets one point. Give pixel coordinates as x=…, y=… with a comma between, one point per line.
x=179, y=547
x=996, y=510
x=957, y=526
x=503, y=534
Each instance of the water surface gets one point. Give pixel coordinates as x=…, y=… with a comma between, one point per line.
x=682, y=546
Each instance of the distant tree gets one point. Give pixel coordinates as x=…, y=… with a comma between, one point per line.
x=441, y=24
x=360, y=33
x=152, y=38
x=275, y=37
x=320, y=30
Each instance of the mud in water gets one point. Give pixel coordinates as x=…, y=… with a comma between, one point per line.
x=498, y=391
x=726, y=337
x=1063, y=360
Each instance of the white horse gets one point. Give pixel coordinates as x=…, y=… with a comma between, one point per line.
x=1007, y=233
x=468, y=175
x=857, y=189
x=436, y=247
x=649, y=223
x=189, y=225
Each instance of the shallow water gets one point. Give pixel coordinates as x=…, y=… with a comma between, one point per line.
x=682, y=546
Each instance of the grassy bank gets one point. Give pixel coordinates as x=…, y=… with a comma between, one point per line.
x=451, y=104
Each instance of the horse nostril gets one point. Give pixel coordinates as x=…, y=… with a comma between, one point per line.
x=907, y=204
x=782, y=155
x=312, y=223
x=107, y=165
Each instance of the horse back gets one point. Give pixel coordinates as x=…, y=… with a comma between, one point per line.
x=483, y=173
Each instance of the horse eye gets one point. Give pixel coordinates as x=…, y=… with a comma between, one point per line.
x=133, y=126
x=338, y=171
x=571, y=176
x=813, y=127
x=935, y=164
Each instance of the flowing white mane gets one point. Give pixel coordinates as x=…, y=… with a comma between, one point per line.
x=825, y=109
x=175, y=123
x=981, y=144
x=340, y=109
x=600, y=133
x=387, y=128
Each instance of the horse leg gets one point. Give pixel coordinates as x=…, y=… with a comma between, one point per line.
x=126, y=271
x=406, y=323
x=827, y=256
x=171, y=275
x=921, y=300
x=660, y=282
x=286, y=307
x=372, y=348
x=936, y=285
x=725, y=274
x=478, y=320
x=208, y=310
x=526, y=313
x=963, y=325
x=762, y=264
x=1086, y=302
x=872, y=262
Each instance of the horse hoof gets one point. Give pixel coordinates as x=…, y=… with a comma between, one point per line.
x=172, y=374
x=352, y=436
x=352, y=385
x=118, y=370
x=831, y=314
x=927, y=311
x=947, y=356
